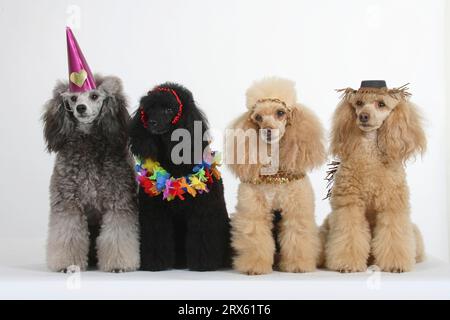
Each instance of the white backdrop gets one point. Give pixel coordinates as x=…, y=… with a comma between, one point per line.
x=217, y=48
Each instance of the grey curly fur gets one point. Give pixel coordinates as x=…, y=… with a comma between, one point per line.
x=93, y=217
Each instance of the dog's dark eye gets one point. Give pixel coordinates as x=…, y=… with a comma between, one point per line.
x=258, y=118
x=94, y=96
x=359, y=103
x=73, y=98
x=381, y=104
x=280, y=113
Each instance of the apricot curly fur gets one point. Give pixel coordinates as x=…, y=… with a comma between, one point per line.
x=301, y=148
x=370, y=219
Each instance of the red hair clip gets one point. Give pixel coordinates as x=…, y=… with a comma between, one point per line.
x=144, y=117
x=180, y=104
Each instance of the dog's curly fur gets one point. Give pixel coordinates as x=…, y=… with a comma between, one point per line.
x=191, y=233
x=301, y=148
x=370, y=218
x=93, y=218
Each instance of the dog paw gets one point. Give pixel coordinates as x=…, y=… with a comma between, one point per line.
x=118, y=270
x=347, y=267
x=155, y=266
x=350, y=270
x=203, y=268
x=257, y=272
x=67, y=264
x=118, y=266
x=70, y=269
x=297, y=268
x=395, y=262
x=252, y=267
x=346, y=262
x=396, y=268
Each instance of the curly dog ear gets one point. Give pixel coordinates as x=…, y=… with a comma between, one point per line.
x=113, y=119
x=142, y=142
x=344, y=131
x=238, y=137
x=401, y=135
x=302, y=146
x=58, y=122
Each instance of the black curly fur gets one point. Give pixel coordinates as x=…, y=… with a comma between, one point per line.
x=193, y=233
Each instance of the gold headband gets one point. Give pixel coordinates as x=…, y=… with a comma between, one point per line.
x=271, y=100
x=276, y=100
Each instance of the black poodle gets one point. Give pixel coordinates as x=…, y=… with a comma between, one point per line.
x=191, y=229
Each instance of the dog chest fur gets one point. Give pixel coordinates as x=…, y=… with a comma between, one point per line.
x=275, y=195
x=80, y=176
x=369, y=173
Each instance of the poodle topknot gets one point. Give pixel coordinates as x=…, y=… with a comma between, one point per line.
x=271, y=88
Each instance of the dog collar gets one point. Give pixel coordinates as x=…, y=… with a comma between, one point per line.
x=155, y=180
x=278, y=178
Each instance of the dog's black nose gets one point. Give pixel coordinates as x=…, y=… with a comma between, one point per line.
x=152, y=123
x=364, y=117
x=81, y=108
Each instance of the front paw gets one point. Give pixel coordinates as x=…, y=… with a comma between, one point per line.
x=67, y=265
x=116, y=268
x=297, y=266
x=395, y=265
x=149, y=264
x=205, y=266
x=119, y=263
x=119, y=270
x=347, y=256
x=71, y=269
x=117, y=259
x=397, y=269
x=346, y=265
x=397, y=256
x=252, y=265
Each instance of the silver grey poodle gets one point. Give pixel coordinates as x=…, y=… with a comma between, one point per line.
x=93, y=218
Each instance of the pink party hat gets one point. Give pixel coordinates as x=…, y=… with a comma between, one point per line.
x=80, y=76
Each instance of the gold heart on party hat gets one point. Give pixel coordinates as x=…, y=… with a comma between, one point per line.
x=78, y=78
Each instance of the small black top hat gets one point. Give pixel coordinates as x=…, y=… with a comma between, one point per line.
x=378, y=84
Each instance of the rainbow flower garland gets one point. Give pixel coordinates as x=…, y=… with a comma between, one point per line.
x=155, y=180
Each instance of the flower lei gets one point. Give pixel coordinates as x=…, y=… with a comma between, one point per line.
x=155, y=180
